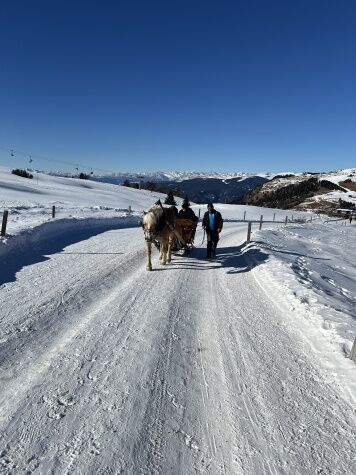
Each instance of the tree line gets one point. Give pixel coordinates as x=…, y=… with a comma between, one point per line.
x=154, y=186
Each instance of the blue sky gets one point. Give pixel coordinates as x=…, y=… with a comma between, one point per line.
x=188, y=85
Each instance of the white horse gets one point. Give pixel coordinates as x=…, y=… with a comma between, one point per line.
x=158, y=225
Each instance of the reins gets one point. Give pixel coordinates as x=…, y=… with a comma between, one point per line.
x=203, y=239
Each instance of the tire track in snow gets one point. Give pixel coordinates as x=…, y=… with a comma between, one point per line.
x=139, y=371
x=83, y=436
x=15, y=391
x=34, y=355
x=38, y=419
x=149, y=447
x=261, y=353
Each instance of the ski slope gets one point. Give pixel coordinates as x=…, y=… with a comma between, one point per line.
x=236, y=365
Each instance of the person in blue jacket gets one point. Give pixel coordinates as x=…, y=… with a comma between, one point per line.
x=212, y=224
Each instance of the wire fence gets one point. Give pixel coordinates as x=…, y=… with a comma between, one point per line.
x=54, y=211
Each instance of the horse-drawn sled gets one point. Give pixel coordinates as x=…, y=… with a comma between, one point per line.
x=167, y=232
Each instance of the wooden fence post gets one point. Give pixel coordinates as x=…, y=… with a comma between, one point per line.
x=261, y=219
x=274, y=217
x=353, y=352
x=199, y=213
x=244, y=215
x=248, y=240
x=4, y=222
x=53, y=211
x=286, y=221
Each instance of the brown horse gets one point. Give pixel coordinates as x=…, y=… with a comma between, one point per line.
x=158, y=225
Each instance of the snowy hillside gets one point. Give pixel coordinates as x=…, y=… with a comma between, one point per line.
x=346, y=179
x=237, y=365
x=340, y=175
x=321, y=192
x=30, y=201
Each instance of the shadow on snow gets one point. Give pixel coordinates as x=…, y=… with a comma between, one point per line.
x=236, y=259
x=15, y=260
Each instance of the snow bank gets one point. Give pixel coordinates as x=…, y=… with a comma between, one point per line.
x=313, y=265
x=28, y=239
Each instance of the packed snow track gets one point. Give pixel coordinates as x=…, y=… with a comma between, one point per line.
x=191, y=368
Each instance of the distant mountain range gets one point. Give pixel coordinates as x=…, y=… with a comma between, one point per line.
x=322, y=191
x=203, y=190
x=200, y=187
x=175, y=176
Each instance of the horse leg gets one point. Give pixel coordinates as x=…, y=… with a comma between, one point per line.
x=164, y=253
x=169, y=251
x=149, y=251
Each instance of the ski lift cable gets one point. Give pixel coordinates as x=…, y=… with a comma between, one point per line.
x=53, y=160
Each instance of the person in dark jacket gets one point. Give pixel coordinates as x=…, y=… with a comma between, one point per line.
x=212, y=224
x=186, y=212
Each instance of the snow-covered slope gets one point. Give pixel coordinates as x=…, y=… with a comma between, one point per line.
x=345, y=178
x=340, y=175
x=318, y=196
x=45, y=189
x=235, y=365
x=30, y=201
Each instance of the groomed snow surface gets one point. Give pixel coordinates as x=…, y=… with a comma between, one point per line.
x=236, y=365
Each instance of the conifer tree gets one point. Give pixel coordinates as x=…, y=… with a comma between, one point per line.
x=170, y=199
x=186, y=200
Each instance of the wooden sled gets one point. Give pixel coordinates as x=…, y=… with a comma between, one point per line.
x=185, y=228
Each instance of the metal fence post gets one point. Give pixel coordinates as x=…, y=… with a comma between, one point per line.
x=244, y=215
x=261, y=219
x=4, y=222
x=248, y=240
x=53, y=211
x=286, y=220
x=274, y=217
x=353, y=352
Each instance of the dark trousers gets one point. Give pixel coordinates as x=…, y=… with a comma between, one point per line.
x=212, y=241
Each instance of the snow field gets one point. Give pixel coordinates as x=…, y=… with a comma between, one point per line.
x=30, y=202
x=235, y=365
x=316, y=263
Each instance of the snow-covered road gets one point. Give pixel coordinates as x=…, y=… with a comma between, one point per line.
x=191, y=368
